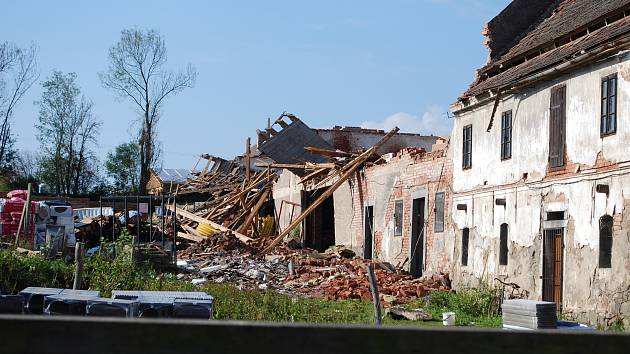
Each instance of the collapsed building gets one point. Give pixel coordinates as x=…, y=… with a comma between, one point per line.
x=529, y=190
x=337, y=219
x=540, y=158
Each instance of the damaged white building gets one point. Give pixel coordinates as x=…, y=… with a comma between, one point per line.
x=541, y=158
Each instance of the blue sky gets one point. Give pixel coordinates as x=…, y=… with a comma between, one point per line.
x=349, y=63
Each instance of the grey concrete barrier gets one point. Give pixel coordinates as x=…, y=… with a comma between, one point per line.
x=49, y=334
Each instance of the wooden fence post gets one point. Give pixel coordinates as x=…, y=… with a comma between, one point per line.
x=78, y=268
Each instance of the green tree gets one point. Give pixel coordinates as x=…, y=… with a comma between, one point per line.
x=68, y=132
x=137, y=72
x=123, y=168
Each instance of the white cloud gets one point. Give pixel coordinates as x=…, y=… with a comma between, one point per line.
x=433, y=121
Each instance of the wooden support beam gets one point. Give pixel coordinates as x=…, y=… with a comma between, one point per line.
x=312, y=175
x=297, y=166
x=190, y=237
x=272, y=132
x=328, y=153
x=282, y=123
x=261, y=200
x=199, y=219
x=356, y=163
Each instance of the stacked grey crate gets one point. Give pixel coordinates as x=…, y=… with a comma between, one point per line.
x=34, y=297
x=112, y=307
x=178, y=304
x=69, y=302
x=11, y=304
x=529, y=314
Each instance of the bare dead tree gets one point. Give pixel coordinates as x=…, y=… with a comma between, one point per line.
x=18, y=72
x=137, y=72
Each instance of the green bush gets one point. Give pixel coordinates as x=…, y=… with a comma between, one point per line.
x=20, y=271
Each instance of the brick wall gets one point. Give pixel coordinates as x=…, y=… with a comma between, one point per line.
x=410, y=172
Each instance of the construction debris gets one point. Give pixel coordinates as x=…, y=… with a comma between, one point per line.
x=336, y=274
x=232, y=237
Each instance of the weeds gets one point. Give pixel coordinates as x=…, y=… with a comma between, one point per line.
x=114, y=268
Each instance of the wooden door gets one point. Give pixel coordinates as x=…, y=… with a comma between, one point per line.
x=553, y=266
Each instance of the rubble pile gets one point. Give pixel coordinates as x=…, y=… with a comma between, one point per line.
x=336, y=274
x=340, y=279
x=228, y=239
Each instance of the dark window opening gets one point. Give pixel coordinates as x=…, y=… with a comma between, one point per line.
x=608, y=123
x=467, y=147
x=503, y=245
x=465, y=240
x=557, y=126
x=555, y=215
x=605, y=241
x=439, y=212
x=398, y=218
x=506, y=135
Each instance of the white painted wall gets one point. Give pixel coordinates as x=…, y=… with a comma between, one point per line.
x=287, y=188
x=530, y=119
x=527, y=201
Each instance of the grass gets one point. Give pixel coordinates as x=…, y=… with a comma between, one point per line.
x=104, y=272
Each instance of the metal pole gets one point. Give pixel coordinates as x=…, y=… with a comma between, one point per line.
x=375, y=297
x=163, y=220
x=174, y=230
x=100, y=223
x=150, y=219
x=27, y=215
x=126, y=212
x=113, y=219
x=138, y=217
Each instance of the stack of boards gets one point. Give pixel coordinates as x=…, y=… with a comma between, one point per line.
x=529, y=314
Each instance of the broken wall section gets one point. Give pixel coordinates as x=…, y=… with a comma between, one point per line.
x=410, y=174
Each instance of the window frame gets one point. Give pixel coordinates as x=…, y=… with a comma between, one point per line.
x=436, y=221
x=506, y=135
x=605, y=118
x=467, y=147
x=605, y=255
x=503, y=244
x=398, y=217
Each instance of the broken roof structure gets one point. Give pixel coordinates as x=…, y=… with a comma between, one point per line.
x=546, y=37
x=287, y=143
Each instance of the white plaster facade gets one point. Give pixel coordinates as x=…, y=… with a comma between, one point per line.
x=530, y=191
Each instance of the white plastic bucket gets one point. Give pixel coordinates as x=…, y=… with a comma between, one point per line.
x=448, y=318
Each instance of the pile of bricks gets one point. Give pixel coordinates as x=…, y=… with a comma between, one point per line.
x=341, y=279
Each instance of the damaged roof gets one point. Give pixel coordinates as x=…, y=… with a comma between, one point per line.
x=558, y=33
x=286, y=145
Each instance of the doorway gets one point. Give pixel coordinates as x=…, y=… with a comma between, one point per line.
x=553, y=247
x=368, y=232
x=319, y=226
x=417, y=237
